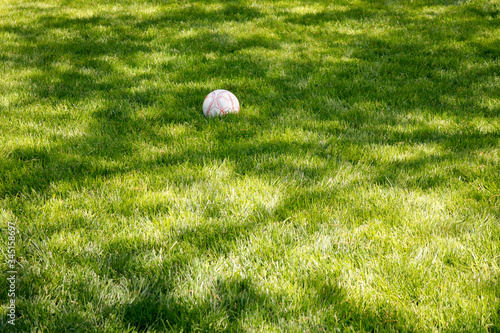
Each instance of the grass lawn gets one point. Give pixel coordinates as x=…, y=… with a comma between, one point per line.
x=358, y=190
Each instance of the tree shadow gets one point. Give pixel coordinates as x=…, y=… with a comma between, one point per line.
x=229, y=11
x=81, y=68
x=152, y=301
x=238, y=298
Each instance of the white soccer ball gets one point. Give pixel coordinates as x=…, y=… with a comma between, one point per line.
x=219, y=103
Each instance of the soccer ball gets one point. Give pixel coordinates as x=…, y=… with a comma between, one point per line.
x=219, y=103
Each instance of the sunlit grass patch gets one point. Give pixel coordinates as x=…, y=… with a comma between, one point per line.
x=357, y=190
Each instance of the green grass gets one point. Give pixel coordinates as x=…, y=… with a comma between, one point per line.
x=358, y=190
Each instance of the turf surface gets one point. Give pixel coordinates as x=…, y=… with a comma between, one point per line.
x=358, y=190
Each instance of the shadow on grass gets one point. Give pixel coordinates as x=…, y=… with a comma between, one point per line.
x=117, y=283
x=401, y=75
x=238, y=299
